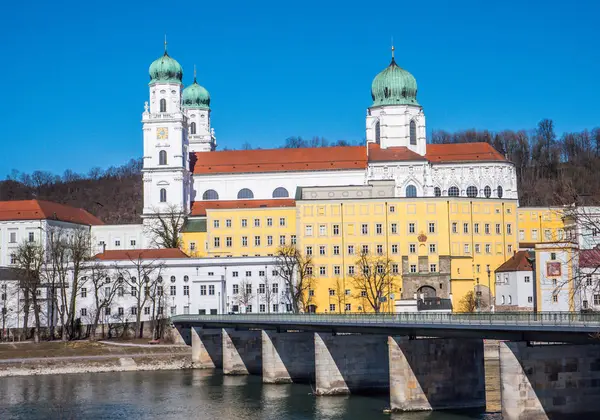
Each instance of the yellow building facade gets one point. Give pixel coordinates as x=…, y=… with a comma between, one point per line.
x=540, y=224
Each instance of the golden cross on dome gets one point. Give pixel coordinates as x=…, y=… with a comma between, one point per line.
x=165, y=43
x=393, y=49
x=194, y=72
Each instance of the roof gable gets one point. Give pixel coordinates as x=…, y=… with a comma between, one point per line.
x=392, y=154
x=45, y=210
x=518, y=262
x=463, y=152
x=141, y=254
x=199, y=207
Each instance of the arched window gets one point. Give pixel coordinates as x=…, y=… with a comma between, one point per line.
x=159, y=279
x=210, y=195
x=472, y=191
x=503, y=300
x=413, y=133
x=377, y=133
x=162, y=157
x=193, y=128
x=186, y=278
x=487, y=191
x=426, y=291
x=163, y=195
x=245, y=193
x=280, y=192
x=411, y=191
x=499, y=191
x=163, y=105
x=172, y=279
x=437, y=192
x=453, y=192
x=509, y=299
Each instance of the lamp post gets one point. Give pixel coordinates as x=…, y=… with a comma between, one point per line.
x=489, y=273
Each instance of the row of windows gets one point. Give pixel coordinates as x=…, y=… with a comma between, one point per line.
x=244, y=241
x=245, y=193
x=472, y=191
x=262, y=308
x=412, y=127
x=321, y=250
x=132, y=311
x=548, y=236
x=256, y=222
x=117, y=242
x=351, y=270
x=12, y=237
x=486, y=228
x=412, y=228
x=262, y=288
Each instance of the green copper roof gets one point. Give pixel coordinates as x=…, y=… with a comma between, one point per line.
x=394, y=86
x=194, y=225
x=195, y=96
x=165, y=69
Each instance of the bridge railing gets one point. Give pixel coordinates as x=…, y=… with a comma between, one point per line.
x=481, y=318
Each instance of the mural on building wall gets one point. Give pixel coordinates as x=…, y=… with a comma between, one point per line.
x=553, y=269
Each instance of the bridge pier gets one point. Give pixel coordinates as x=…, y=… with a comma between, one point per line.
x=288, y=357
x=207, y=348
x=436, y=374
x=551, y=381
x=242, y=352
x=347, y=364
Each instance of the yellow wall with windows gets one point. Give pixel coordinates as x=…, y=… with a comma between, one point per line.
x=540, y=224
x=194, y=243
x=475, y=233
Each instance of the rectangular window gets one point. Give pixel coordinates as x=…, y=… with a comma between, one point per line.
x=235, y=274
x=392, y=209
x=432, y=249
x=486, y=228
x=275, y=288
x=147, y=310
x=498, y=229
x=412, y=248
x=395, y=269
x=173, y=291
x=351, y=270
x=134, y=291
x=394, y=228
x=431, y=227
x=308, y=230
x=336, y=250
x=350, y=249
x=261, y=288
x=332, y=307
x=412, y=228
x=269, y=221
x=534, y=234
x=83, y=292
x=548, y=234
x=378, y=228
x=117, y=243
x=596, y=299
x=433, y=268
x=228, y=241
x=510, y=248
x=309, y=250
x=394, y=249
x=309, y=271
x=257, y=241
x=106, y=311
x=269, y=240
x=476, y=228
x=244, y=241
x=121, y=311
x=322, y=250
x=132, y=242
x=275, y=307
x=527, y=279
x=133, y=310
x=186, y=290
x=31, y=237
x=216, y=223
x=256, y=222
x=488, y=248
x=293, y=239
x=248, y=273
x=508, y=229
x=282, y=221
x=467, y=249
x=202, y=290
x=553, y=255
x=13, y=237
x=322, y=270
x=465, y=228
x=336, y=270
x=235, y=289
x=530, y=299
x=554, y=298
x=454, y=227
x=322, y=230
x=478, y=248
x=364, y=229
x=413, y=268
x=228, y=223
x=336, y=229
x=192, y=246
x=348, y=307
x=365, y=249
x=379, y=249
x=521, y=235
x=217, y=242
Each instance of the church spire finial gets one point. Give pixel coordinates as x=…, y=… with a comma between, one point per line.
x=165, y=44
x=194, y=73
x=393, y=49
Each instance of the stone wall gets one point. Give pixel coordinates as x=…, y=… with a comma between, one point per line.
x=347, y=364
x=411, y=282
x=552, y=381
x=288, y=357
x=242, y=352
x=207, y=348
x=434, y=374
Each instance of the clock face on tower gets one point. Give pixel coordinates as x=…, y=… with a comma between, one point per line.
x=162, y=133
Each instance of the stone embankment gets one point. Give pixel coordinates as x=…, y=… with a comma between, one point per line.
x=96, y=357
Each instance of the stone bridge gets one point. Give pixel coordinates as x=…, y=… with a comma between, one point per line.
x=549, y=368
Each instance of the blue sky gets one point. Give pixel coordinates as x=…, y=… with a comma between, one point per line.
x=75, y=73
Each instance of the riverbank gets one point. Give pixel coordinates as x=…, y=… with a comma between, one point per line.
x=49, y=358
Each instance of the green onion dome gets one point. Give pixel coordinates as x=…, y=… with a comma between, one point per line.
x=195, y=96
x=165, y=69
x=394, y=86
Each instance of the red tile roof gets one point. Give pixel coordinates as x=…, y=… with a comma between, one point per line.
x=279, y=160
x=41, y=210
x=141, y=254
x=392, y=154
x=518, y=262
x=589, y=258
x=199, y=207
x=462, y=152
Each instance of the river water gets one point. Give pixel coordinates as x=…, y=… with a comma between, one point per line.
x=185, y=394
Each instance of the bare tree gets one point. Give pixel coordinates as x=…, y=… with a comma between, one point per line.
x=245, y=295
x=104, y=291
x=29, y=258
x=159, y=317
x=142, y=278
x=296, y=270
x=373, y=279
x=165, y=226
x=269, y=296
x=468, y=303
x=340, y=294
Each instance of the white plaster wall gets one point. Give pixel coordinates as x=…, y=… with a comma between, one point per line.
x=109, y=234
x=394, y=126
x=547, y=287
x=203, y=140
x=263, y=184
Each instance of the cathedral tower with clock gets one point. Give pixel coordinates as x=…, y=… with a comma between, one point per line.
x=166, y=175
